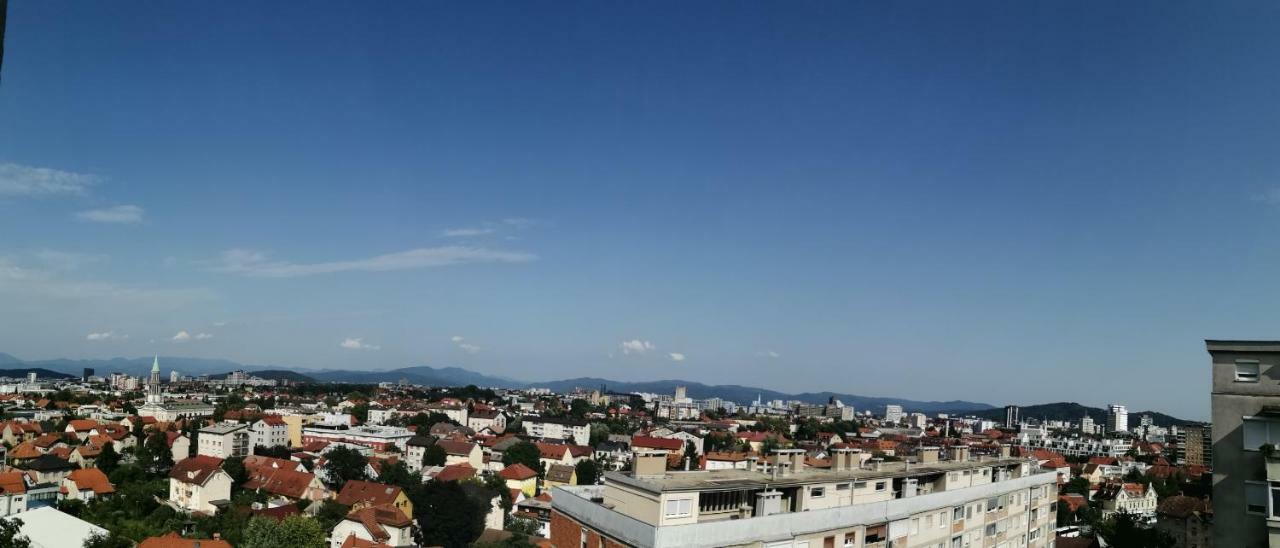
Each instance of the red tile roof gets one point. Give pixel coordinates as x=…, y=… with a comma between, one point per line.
x=288, y=483
x=12, y=483
x=455, y=472
x=646, y=442
x=173, y=540
x=374, y=517
x=92, y=479
x=366, y=491
x=196, y=470
x=517, y=471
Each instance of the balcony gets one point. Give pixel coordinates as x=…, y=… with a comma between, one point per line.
x=1271, y=459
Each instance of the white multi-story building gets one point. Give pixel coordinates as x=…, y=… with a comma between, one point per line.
x=579, y=432
x=1117, y=418
x=892, y=413
x=963, y=502
x=197, y=483
x=224, y=440
x=269, y=431
x=379, y=438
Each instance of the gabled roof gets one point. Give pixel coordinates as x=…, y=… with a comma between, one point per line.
x=455, y=472
x=12, y=483
x=1182, y=506
x=367, y=491
x=646, y=442
x=174, y=540
x=288, y=483
x=562, y=473
x=460, y=448
x=92, y=479
x=254, y=463
x=82, y=425
x=373, y=518
x=25, y=450
x=196, y=470
x=517, y=471
x=49, y=463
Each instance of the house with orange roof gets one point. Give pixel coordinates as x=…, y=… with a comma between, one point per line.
x=199, y=484
x=1133, y=498
x=520, y=477
x=81, y=428
x=459, y=452
x=360, y=494
x=15, y=432
x=13, y=493
x=174, y=540
x=555, y=453
x=289, y=484
x=376, y=524
x=85, y=484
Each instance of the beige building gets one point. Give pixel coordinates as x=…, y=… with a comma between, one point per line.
x=199, y=484
x=962, y=501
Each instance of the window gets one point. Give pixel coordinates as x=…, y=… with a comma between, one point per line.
x=850, y=539
x=880, y=485
x=817, y=492
x=842, y=487
x=679, y=508
x=1246, y=371
x=1274, y=512
x=942, y=519
x=859, y=485
x=915, y=526
x=957, y=513
x=928, y=520
x=1258, y=431
x=583, y=537
x=992, y=503
x=991, y=529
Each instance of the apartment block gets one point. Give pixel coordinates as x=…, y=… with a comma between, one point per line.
x=224, y=440
x=860, y=503
x=1195, y=446
x=1246, y=416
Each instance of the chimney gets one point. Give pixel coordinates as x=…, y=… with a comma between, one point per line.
x=959, y=453
x=649, y=463
x=1006, y=451
x=792, y=460
x=840, y=459
x=751, y=464
x=928, y=455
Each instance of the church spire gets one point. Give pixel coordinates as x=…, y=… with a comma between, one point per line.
x=155, y=365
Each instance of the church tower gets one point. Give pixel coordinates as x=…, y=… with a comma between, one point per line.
x=153, y=384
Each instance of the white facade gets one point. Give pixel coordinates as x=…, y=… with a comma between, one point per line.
x=558, y=429
x=224, y=440
x=1117, y=418
x=269, y=433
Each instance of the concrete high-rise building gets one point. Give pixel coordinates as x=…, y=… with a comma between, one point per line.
x=31, y=377
x=682, y=393
x=959, y=501
x=88, y=372
x=1117, y=418
x=1011, y=416
x=1194, y=445
x=892, y=413
x=1086, y=425
x=1246, y=415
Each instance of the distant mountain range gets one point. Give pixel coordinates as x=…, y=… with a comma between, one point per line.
x=1071, y=411
x=456, y=376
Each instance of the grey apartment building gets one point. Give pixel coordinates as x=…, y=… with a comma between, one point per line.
x=1246, y=415
x=957, y=502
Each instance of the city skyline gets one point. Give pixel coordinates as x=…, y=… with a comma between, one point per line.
x=969, y=202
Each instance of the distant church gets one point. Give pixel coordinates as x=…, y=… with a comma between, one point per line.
x=157, y=407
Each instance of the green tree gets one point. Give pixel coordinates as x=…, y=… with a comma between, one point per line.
x=107, y=540
x=234, y=467
x=434, y=455
x=330, y=514
x=447, y=515
x=109, y=459
x=294, y=531
x=578, y=409
x=1123, y=529
x=525, y=453
x=588, y=472
x=10, y=536
x=344, y=464
x=396, y=473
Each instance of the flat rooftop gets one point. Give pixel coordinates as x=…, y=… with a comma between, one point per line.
x=736, y=479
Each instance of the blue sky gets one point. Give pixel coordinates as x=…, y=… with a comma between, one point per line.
x=1003, y=202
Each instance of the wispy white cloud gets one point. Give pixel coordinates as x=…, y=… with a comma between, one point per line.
x=676, y=356
x=258, y=264
x=106, y=336
x=67, y=260
x=467, y=232
x=463, y=345
x=358, y=343
x=22, y=281
x=20, y=180
x=203, y=336
x=484, y=229
x=181, y=336
x=121, y=214
x=769, y=354
x=636, y=346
